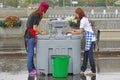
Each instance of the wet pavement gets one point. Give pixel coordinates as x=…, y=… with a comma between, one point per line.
x=108, y=68
x=24, y=76
x=107, y=65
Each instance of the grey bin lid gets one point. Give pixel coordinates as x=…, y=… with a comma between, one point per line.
x=59, y=23
x=43, y=37
x=76, y=36
x=60, y=37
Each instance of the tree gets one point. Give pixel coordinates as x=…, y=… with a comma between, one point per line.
x=87, y=2
x=109, y=2
x=100, y=2
x=61, y=3
x=13, y=3
x=27, y=2
x=91, y=2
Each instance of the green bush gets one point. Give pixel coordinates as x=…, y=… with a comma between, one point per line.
x=15, y=24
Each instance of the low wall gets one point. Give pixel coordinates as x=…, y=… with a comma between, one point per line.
x=111, y=23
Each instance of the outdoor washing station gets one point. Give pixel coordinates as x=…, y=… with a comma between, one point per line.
x=58, y=44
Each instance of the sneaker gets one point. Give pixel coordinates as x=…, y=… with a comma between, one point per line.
x=81, y=72
x=33, y=72
x=32, y=77
x=91, y=74
x=42, y=74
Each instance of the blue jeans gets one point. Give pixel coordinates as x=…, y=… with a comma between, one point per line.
x=89, y=55
x=30, y=54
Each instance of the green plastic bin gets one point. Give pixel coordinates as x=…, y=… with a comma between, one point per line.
x=60, y=65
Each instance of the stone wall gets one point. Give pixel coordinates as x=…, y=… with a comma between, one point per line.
x=112, y=23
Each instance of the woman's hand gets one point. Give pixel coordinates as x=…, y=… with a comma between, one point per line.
x=76, y=31
x=72, y=31
x=36, y=28
x=43, y=32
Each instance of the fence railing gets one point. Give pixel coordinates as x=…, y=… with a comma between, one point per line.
x=63, y=12
x=90, y=13
x=108, y=15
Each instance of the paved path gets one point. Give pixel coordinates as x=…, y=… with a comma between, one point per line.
x=24, y=76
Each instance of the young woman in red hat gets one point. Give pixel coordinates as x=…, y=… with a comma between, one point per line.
x=30, y=34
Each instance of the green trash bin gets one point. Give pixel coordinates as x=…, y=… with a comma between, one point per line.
x=60, y=64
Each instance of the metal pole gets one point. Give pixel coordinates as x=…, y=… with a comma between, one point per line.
x=63, y=3
x=70, y=2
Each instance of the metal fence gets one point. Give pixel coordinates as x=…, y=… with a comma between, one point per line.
x=96, y=15
x=88, y=15
x=102, y=13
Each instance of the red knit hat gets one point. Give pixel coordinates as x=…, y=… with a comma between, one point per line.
x=43, y=6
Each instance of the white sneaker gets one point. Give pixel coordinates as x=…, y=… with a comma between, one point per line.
x=81, y=72
x=91, y=74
